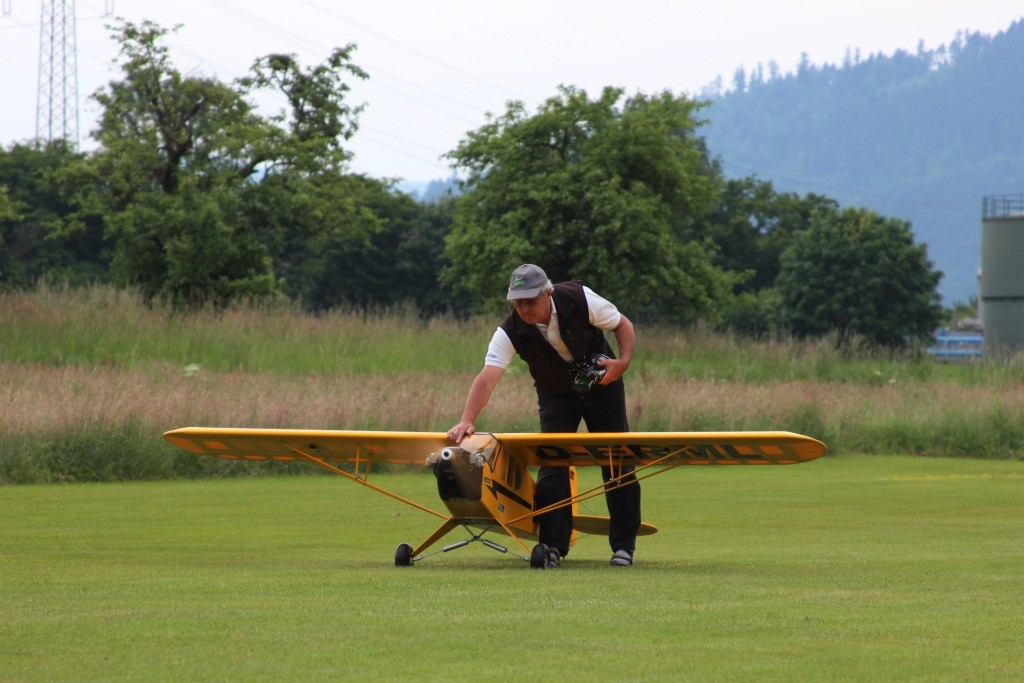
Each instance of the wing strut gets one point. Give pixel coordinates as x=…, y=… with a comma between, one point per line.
x=595, y=491
x=448, y=524
x=360, y=480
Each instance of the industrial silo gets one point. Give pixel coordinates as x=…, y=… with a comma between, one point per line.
x=1002, y=267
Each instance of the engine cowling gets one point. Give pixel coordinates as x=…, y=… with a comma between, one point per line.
x=459, y=474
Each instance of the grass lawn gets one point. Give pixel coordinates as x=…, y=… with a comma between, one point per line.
x=847, y=568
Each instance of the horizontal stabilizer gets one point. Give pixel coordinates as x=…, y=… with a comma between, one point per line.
x=585, y=524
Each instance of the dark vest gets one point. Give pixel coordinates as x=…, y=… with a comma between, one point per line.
x=548, y=369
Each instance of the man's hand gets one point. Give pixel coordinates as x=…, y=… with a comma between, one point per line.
x=460, y=431
x=614, y=369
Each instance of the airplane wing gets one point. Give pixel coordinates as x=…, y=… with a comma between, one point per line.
x=581, y=450
x=670, y=448
x=400, y=448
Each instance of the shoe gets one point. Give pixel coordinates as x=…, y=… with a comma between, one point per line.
x=622, y=558
x=554, y=559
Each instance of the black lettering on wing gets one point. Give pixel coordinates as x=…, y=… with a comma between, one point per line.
x=551, y=453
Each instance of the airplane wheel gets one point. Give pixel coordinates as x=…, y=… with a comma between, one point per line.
x=539, y=556
x=403, y=555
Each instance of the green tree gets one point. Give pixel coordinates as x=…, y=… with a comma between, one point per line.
x=752, y=225
x=599, y=190
x=184, y=160
x=396, y=264
x=857, y=273
x=35, y=198
x=6, y=208
x=317, y=119
x=408, y=253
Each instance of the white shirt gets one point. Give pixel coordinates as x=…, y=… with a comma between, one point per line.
x=603, y=315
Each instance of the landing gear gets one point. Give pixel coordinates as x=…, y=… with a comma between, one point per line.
x=403, y=555
x=539, y=556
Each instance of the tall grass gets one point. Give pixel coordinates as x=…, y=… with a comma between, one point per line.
x=103, y=326
x=97, y=375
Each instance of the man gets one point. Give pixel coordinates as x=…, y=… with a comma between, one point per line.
x=552, y=327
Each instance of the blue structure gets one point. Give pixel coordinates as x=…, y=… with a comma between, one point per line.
x=957, y=345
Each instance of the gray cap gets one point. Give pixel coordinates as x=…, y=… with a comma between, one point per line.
x=527, y=281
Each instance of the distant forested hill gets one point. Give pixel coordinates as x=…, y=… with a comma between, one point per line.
x=921, y=137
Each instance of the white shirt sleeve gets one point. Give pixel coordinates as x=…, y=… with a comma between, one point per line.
x=603, y=313
x=500, y=351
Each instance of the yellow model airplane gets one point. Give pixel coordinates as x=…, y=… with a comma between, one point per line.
x=485, y=482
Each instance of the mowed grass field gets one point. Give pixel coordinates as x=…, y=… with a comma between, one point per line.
x=849, y=568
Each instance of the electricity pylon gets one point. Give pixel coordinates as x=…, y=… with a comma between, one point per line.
x=57, y=96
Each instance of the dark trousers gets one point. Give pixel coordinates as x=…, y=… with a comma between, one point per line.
x=604, y=410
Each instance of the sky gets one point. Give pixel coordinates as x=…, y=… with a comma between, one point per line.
x=438, y=67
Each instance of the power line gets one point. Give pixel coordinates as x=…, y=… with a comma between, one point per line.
x=404, y=87
x=57, y=72
x=382, y=79
x=420, y=55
